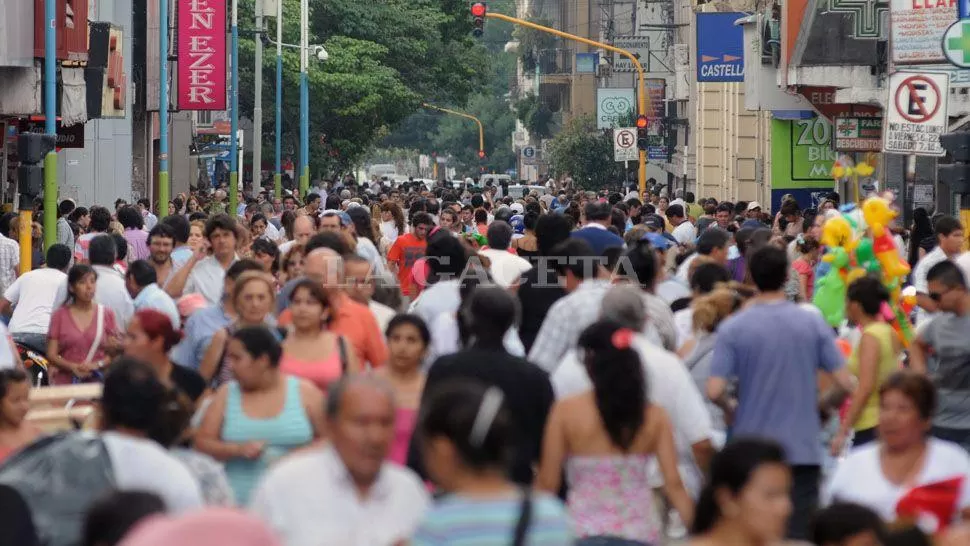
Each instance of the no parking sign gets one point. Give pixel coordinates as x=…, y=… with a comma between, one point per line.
x=916, y=114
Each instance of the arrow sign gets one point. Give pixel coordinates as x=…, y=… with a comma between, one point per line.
x=720, y=47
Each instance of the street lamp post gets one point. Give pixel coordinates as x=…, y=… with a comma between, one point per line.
x=258, y=99
x=163, y=179
x=50, y=127
x=304, y=99
x=278, y=176
x=234, y=114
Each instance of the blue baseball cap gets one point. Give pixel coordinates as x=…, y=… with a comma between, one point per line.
x=657, y=240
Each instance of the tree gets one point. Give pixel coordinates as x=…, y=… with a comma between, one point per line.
x=385, y=59
x=584, y=152
x=535, y=116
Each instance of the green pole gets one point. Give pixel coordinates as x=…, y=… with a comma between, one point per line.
x=50, y=199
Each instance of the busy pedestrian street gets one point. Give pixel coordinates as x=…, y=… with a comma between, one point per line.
x=528, y=273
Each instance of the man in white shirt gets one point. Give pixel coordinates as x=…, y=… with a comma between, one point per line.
x=949, y=236
x=669, y=385
x=207, y=275
x=346, y=492
x=9, y=253
x=302, y=231
x=33, y=296
x=110, y=290
x=506, y=268
x=684, y=231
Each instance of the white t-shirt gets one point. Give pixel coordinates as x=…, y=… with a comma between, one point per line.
x=506, y=268
x=923, y=267
x=143, y=465
x=670, y=387
x=685, y=233
x=33, y=295
x=859, y=479
x=7, y=360
x=684, y=321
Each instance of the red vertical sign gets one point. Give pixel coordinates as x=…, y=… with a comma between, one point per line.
x=202, y=55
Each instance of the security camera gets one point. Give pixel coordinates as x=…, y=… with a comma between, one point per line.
x=321, y=53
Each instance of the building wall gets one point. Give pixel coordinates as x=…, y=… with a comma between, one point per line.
x=102, y=171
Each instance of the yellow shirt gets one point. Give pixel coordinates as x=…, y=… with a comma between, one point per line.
x=888, y=363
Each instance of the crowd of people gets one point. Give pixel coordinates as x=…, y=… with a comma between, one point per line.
x=380, y=366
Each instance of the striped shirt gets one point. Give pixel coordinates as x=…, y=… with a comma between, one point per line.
x=460, y=521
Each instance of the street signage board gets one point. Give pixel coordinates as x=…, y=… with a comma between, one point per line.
x=625, y=144
x=720, y=47
x=613, y=106
x=916, y=28
x=528, y=155
x=956, y=44
x=657, y=153
x=857, y=134
x=959, y=77
x=201, y=55
x=916, y=113
x=638, y=45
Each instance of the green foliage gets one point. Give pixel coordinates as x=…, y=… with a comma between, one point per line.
x=535, y=116
x=585, y=153
x=532, y=42
x=430, y=131
x=385, y=59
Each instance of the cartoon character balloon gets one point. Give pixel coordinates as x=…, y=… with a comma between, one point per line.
x=879, y=215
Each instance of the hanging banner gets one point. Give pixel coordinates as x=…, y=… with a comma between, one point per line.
x=202, y=55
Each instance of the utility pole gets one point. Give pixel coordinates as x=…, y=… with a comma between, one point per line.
x=278, y=176
x=163, y=180
x=258, y=99
x=304, y=99
x=234, y=114
x=50, y=127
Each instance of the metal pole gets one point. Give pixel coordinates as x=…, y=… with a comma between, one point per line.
x=50, y=127
x=481, y=128
x=163, y=180
x=234, y=113
x=642, y=103
x=258, y=100
x=278, y=177
x=304, y=100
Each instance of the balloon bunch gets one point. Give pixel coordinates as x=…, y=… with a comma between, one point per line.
x=844, y=169
x=858, y=242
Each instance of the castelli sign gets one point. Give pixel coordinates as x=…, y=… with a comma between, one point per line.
x=202, y=55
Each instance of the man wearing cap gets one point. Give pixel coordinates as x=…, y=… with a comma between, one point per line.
x=753, y=211
x=684, y=231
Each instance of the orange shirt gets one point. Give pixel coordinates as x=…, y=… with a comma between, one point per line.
x=407, y=250
x=358, y=325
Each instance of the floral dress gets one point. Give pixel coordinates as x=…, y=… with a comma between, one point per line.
x=612, y=496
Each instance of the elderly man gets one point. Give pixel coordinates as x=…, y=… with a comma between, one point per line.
x=669, y=384
x=345, y=492
x=302, y=231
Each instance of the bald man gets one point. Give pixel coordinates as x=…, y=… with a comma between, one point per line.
x=302, y=231
x=350, y=319
x=323, y=494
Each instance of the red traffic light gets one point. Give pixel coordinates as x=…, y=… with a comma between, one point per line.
x=481, y=154
x=642, y=122
x=479, y=9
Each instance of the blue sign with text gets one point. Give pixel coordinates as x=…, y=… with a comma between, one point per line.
x=720, y=47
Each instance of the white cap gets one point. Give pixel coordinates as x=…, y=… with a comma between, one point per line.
x=754, y=205
x=517, y=208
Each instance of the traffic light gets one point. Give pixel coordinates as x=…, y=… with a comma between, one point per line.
x=481, y=154
x=31, y=149
x=642, y=139
x=479, y=9
x=957, y=175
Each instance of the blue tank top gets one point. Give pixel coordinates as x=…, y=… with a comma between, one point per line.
x=289, y=430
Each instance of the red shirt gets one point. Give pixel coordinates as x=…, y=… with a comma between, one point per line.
x=407, y=250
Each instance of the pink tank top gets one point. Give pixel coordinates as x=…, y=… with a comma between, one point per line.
x=319, y=372
x=403, y=428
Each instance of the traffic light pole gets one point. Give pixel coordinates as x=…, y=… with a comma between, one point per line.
x=304, y=99
x=481, y=128
x=643, y=101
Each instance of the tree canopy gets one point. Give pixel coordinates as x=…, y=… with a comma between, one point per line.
x=385, y=59
x=585, y=153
